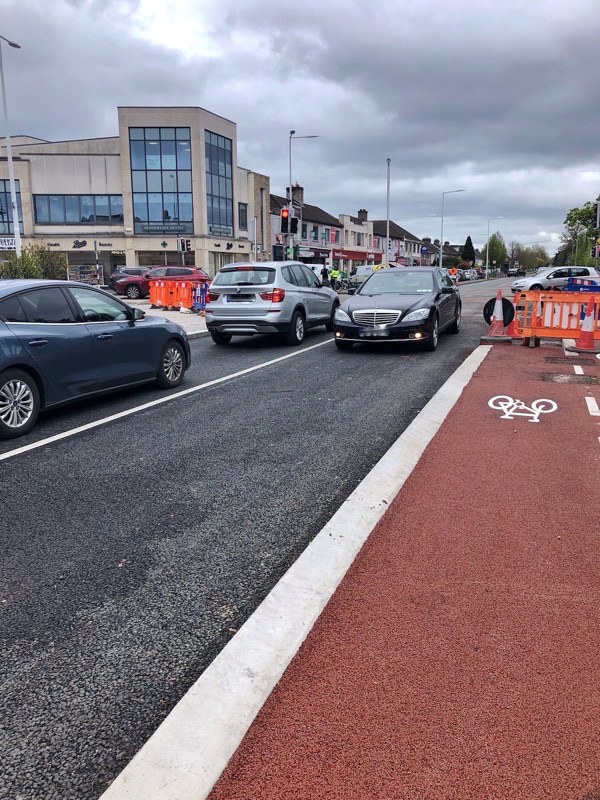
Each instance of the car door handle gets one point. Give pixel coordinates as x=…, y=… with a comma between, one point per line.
x=38, y=342
x=105, y=336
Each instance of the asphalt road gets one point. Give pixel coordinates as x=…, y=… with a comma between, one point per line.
x=132, y=552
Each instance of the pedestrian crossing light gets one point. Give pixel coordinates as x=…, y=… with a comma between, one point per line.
x=285, y=220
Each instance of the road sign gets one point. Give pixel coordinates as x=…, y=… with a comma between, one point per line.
x=8, y=243
x=508, y=311
x=424, y=248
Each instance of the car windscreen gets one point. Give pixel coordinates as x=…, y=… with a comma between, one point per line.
x=245, y=276
x=401, y=282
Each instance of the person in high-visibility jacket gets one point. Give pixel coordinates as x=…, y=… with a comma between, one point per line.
x=334, y=276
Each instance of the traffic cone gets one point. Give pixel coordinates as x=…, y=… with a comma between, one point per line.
x=585, y=343
x=496, y=334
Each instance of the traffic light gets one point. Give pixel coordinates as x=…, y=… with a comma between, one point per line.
x=285, y=220
x=294, y=225
x=185, y=245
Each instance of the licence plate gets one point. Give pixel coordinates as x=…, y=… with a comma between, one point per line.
x=375, y=333
x=240, y=298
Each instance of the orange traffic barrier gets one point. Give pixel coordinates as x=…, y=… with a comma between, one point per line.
x=554, y=315
x=585, y=343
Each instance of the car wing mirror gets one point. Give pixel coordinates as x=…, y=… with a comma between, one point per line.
x=146, y=274
x=351, y=290
x=447, y=289
x=138, y=314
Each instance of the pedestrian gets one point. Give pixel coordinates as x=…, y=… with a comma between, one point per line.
x=325, y=276
x=334, y=276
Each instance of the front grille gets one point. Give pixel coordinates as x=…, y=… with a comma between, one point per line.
x=376, y=317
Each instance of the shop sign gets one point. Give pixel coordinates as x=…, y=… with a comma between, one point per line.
x=163, y=227
x=117, y=252
x=8, y=243
x=79, y=243
x=104, y=244
x=53, y=244
x=220, y=230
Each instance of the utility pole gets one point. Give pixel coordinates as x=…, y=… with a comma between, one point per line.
x=387, y=222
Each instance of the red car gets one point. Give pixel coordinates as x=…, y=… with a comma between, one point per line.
x=135, y=286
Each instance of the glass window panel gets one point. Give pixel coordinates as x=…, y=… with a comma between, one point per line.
x=221, y=142
x=167, y=133
x=86, y=208
x=152, y=133
x=169, y=180
x=184, y=181
x=102, y=209
x=138, y=159
x=152, y=154
x=154, y=181
x=207, y=136
x=136, y=133
x=169, y=206
x=228, y=189
x=209, y=212
x=223, y=211
x=167, y=150
x=138, y=181
x=140, y=207
x=72, y=208
x=155, y=207
x=116, y=208
x=185, y=207
x=207, y=156
x=229, y=214
x=184, y=155
x=57, y=208
x=97, y=307
x=183, y=133
x=222, y=187
x=42, y=210
x=228, y=170
x=227, y=144
x=214, y=139
x=243, y=216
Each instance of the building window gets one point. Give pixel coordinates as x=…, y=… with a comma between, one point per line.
x=360, y=239
x=345, y=237
x=161, y=180
x=314, y=234
x=335, y=236
x=219, y=184
x=243, y=216
x=6, y=217
x=304, y=231
x=77, y=209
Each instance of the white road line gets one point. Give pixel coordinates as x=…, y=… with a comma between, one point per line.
x=105, y=420
x=184, y=758
x=578, y=370
x=592, y=406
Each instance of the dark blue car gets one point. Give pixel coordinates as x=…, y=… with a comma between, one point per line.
x=62, y=341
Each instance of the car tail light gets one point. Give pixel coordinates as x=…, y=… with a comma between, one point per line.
x=275, y=295
x=212, y=297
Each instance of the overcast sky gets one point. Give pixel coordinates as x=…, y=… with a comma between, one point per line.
x=497, y=97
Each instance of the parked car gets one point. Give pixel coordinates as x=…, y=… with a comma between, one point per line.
x=124, y=272
x=270, y=297
x=62, y=341
x=552, y=278
x=409, y=305
x=136, y=286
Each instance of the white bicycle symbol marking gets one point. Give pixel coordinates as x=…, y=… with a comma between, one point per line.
x=517, y=408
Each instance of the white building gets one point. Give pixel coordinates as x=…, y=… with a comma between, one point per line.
x=405, y=247
x=357, y=244
x=171, y=174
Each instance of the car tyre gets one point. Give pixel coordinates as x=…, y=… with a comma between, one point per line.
x=133, y=292
x=434, y=334
x=172, y=365
x=342, y=345
x=329, y=325
x=220, y=338
x=455, y=327
x=19, y=403
x=537, y=287
x=297, y=329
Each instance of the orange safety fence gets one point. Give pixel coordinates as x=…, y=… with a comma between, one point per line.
x=553, y=315
x=177, y=294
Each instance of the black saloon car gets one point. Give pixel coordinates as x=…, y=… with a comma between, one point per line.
x=401, y=304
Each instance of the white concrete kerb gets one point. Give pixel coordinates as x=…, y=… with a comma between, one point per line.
x=185, y=757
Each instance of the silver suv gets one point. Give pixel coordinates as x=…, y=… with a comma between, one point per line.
x=552, y=278
x=268, y=297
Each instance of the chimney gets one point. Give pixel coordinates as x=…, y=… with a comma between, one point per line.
x=427, y=239
x=436, y=241
x=362, y=214
x=446, y=244
x=297, y=195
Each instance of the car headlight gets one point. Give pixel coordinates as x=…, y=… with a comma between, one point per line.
x=341, y=316
x=417, y=316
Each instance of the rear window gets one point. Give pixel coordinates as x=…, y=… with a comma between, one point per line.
x=11, y=310
x=245, y=277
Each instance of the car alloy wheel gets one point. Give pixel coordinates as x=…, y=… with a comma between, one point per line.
x=173, y=363
x=434, y=334
x=133, y=292
x=19, y=403
x=295, y=335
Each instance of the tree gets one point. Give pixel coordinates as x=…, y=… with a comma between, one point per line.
x=36, y=261
x=468, y=251
x=578, y=237
x=578, y=219
x=498, y=252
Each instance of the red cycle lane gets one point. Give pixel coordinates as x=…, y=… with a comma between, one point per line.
x=460, y=656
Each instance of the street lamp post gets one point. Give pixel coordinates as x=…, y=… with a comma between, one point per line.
x=487, y=249
x=290, y=243
x=387, y=221
x=11, y=174
x=441, y=258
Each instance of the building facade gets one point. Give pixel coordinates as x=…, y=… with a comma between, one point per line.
x=167, y=189
x=357, y=244
x=318, y=232
x=405, y=247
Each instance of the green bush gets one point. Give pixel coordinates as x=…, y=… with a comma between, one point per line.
x=35, y=261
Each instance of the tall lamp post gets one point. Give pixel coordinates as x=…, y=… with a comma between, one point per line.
x=441, y=258
x=11, y=174
x=290, y=206
x=387, y=220
x=487, y=248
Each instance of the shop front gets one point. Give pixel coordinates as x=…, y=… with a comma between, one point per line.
x=345, y=259
x=313, y=255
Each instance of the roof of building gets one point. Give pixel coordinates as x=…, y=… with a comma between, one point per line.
x=396, y=231
x=309, y=213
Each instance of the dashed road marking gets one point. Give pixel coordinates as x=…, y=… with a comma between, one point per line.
x=592, y=406
x=578, y=370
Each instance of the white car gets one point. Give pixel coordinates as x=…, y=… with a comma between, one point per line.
x=552, y=278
